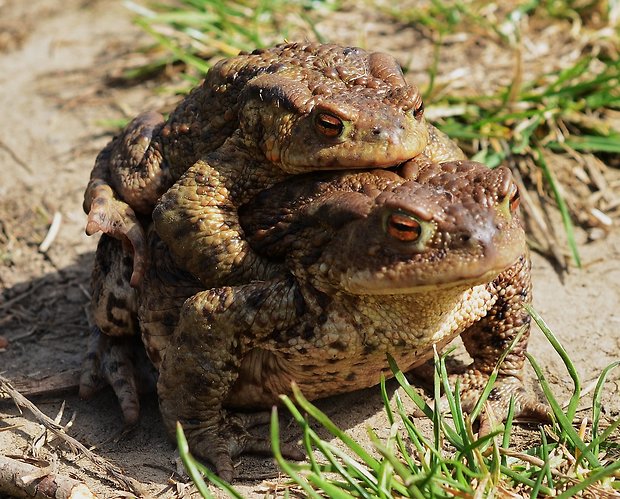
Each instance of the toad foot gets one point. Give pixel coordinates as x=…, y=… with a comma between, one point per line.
x=110, y=361
x=233, y=439
x=472, y=384
x=116, y=218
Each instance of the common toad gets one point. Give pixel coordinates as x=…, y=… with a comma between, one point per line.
x=281, y=111
x=371, y=263
x=376, y=265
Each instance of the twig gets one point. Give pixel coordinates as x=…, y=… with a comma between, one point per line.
x=48, y=385
x=21, y=296
x=21, y=479
x=27, y=334
x=113, y=471
x=51, y=233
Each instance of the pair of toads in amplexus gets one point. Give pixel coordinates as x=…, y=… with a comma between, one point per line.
x=296, y=219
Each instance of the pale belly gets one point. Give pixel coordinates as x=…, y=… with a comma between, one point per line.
x=349, y=351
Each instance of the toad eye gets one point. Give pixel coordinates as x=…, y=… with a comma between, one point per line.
x=515, y=199
x=329, y=125
x=403, y=227
x=509, y=202
x=418, y=112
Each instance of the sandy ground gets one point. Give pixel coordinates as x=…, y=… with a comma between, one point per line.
x=56, y=68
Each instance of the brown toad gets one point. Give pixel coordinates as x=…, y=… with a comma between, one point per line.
x=375, y=264
x=284, y=110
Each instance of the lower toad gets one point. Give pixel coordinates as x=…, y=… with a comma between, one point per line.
x=373, y=263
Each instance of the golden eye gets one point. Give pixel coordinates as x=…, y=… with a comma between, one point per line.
x=329, y=125
x=418, y=111
x=403, y=227
x=515, y=199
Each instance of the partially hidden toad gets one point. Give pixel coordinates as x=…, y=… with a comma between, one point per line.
x=365, y=264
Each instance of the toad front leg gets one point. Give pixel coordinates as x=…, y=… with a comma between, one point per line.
x=487, y=340
x=197, y=217
x=215, y=355
x=129, y=176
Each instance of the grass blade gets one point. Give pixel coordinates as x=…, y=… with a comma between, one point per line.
x=570, y=367
x=508, y=428
x=196, y=470
x=593, y=478
x=564, y=423
x=559, y=199
x=283, y=463
x=596, y=401
x=324, y=421
x=190, y=464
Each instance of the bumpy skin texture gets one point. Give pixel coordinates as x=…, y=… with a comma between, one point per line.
x=369, y=263
x=197, y=218
x=294, y=108
x=376, y=264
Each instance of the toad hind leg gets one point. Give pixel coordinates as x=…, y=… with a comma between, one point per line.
x=487, y=340
x=110, y=361
x=217, y=328
x=115, y=355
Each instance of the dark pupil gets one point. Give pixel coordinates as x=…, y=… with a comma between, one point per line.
x=418, y=111
x=330, y=123
x=403, y=227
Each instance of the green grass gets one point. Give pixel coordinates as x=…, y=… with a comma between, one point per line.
x=572, y=458
x=198, y=32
